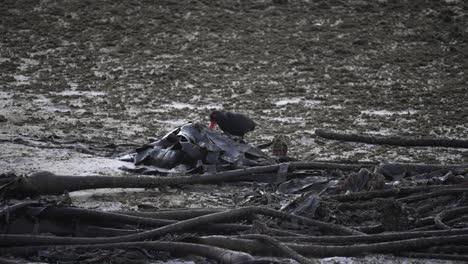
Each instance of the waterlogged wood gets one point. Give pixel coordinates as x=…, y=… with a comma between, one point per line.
x=434, y=256
x=47, y=183
x=374, y=238
x=116, y=228
x=286, y=251
x=394, y=141
x=231, y=215
x=438, y=220
x=366, y=195
x=233, y=247
x=394, y=168
x=314, y=250
x=220, y=255
x=112, y=219
x=173, y=214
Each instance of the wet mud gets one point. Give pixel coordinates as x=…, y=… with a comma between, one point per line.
x=81, y=81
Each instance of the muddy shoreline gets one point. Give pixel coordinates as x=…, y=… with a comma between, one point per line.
x=84, y=80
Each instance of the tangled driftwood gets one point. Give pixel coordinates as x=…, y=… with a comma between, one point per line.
x=44, y=183
x=407, y=221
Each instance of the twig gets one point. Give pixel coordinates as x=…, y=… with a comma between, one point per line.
x=282, y=247
x=447, y=214
x=5, y=212
x=438, y=222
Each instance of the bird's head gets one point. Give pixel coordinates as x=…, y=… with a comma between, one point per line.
x=213, y=118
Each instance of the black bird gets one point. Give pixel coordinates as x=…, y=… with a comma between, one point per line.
x=232, y=123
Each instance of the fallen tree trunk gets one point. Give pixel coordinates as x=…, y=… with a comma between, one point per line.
x=47, y=183
x=436, y=193
x=314, y=250
x=395, y=140
x=218, y=254
x=116, y=220
x=375, y=238
x=367, y=195
x=448, y=214
x=25, y=225
x=286, y=251
x=74, y=221
x=392, y=170
x=182, y=214
x=241, y=213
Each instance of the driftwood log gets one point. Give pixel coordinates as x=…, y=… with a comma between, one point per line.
x=46, y=183
x=405, y=221
x=395, y=140
x=313, y=250
x=126, y=231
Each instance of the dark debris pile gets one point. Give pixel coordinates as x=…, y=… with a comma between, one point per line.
x=193, y=148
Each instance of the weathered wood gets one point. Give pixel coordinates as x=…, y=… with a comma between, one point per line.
x=387, y=193
x=433, y=256
x=395, y=140
x=181, y=214
x=314, y=250
x=435, y=193
x=375, y=238
x=286, y=251
x=220, y=255
x=438, y=220
x=47, y=183
x=113, y=219
x=232, y=215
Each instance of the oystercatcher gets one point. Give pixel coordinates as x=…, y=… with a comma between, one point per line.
x=232, y=123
